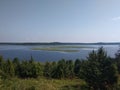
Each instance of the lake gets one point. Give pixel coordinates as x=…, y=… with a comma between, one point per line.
x=45, y=53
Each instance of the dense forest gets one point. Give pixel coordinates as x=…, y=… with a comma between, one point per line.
x=98, y=70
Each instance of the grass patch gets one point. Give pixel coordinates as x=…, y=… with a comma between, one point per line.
x=55, y=49
x=45, y=84
x=41, y=84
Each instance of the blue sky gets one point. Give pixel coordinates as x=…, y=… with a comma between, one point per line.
x=59, y=20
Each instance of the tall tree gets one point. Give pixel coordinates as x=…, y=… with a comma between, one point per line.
x=1, y=63
x=77, y=66
x=69, y=73
x=54, y=70
x=98, y=71
x=16, y=64
x=61, y=69
x=47, y=70
x=9, y=68
x=117, y=60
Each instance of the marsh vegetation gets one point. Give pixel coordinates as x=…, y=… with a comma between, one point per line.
x=63, y=48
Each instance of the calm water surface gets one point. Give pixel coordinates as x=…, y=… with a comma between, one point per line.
x=24, y=52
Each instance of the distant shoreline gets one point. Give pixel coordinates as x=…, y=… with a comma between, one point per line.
x=59, y=43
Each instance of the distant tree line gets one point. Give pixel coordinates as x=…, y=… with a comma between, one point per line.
x=99, y=71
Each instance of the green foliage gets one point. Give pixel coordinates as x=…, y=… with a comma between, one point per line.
x=1, y=63
x=61, y=69
x=98, y=71
x=117, y=60
x=41, y=84
x=9, y=68
x=77, y=66
x=69, y=69
x=54, y=70
x=39, y=69
x=47, y=70
x=16, y=63
x=30, y=69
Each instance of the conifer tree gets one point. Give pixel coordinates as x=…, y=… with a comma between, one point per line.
x=9, y=68
x=98, y=71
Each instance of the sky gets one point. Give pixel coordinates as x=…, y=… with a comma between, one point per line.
x=60, y=21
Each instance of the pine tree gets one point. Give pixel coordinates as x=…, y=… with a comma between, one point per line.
x=61, y=69
x=117, y=60
x=9, y=68
x=47, y=70
x=98, y=71
x=16, y=64
x=69, y=70
x=77, y=66
x=1, y=63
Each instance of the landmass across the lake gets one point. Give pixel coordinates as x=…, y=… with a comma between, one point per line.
x=58, y=43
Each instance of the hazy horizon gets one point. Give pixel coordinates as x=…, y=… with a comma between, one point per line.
x=55, y=42
x=77, y=21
